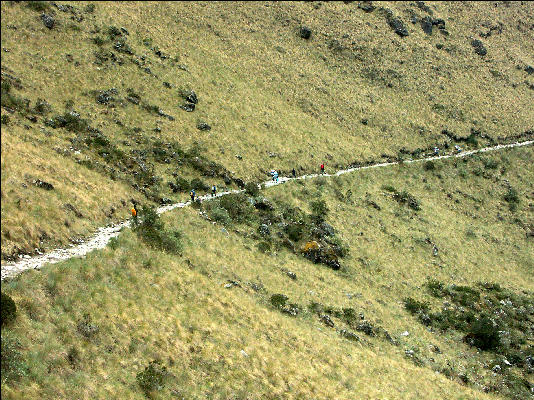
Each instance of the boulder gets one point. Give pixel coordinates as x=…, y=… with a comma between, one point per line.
x=305, y=32
x=366, y=6
x=426, y=25
x=48, y=21
x=398, y=27
x=479, y=47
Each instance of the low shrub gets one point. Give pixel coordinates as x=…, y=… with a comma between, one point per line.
x=415, y=306
x=252, y=189
x=279, y=300
x=13, y=363
x=319, y=211
x=484, y=333
x=39, y=6
x=512, y=197
x=264, y=246
x=198, y=185
x=152, y=378
x=150, y=228
x=9, y=309
x=429, y=166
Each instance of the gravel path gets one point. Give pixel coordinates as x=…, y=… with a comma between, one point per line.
x=100, y=239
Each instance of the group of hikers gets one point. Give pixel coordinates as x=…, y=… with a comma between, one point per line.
x=274, y=177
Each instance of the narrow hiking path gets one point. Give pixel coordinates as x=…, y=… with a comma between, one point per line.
x=100, y=239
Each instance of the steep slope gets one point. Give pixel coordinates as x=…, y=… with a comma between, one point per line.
x=212, y=318
x=99, y=92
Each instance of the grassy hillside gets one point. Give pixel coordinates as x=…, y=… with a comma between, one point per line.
x=208, y=321
x=99, y=94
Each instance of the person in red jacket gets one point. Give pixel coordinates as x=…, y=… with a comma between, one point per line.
x=322, y=168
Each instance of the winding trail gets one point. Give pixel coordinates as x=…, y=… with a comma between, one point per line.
x=101, y=238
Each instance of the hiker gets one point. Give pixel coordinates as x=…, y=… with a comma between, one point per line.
x=275, y=176
x=294, y=173
x=436, y=151
x=213, y=190
x=134, y=211
x=322, y=168
x=458, y=148
x=272, y=174
x=192, y=194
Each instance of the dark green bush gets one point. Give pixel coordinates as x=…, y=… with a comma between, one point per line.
x=150, y=228
x=152, y=378
x=295, y=231
x=279, y=300
x=99, y=40
x=484, y=333
x=415, y=306
x=435, y=288
x=264, y=246
x=238, y=207
x=39, y=6
x=319, y=211
x=512, y=197
x=71, y=121
x=198, y=185
x=429, y=166
x=9, y=309
x=252, y=189
x=13, y=363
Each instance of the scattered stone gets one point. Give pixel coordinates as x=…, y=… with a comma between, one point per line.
x=349, y=335
x=42, y=184
x=398, y=27
x=167, y=85
x=366, y=328
x=426, y=25
x=366, y=6
x=364, y=121
x=192, y=97
x=423, y=6
x=405, y=333
x=439, y=22
x=244, y=353
x=292, y=275
x=529, y=69
x=305, y=32
x=189, y=107
x=479, y=47
x=325, y=319
x=48, y=21
x=203, y=126
x=238, y=156
x=231, y=284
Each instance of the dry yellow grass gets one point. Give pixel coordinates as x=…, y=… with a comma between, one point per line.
x=151, y=305
x=265, y=90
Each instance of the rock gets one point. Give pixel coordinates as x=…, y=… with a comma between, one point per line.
x=167, y=85
x=439, y=22
x=398, y=27
x=405, y=333
x=496, y=369
x=192, y=97
x=305, y=32
x=42, y=184
x=48, y=21
x=292, y=275
x=364, y=121
x=202, y=126
x=366, y=6
x=529, y=69
x=366, y=328
x=349, y=335
x=244, y=353
x=325, y=319
x=426, y=25
x=479, y=47
x=189, y=107
x=239, y=156
x=264, y=230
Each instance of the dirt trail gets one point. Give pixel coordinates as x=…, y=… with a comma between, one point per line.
x=101, y=238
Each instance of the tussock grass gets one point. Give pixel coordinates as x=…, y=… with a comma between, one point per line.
x=273, y=98
x=230, y=341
